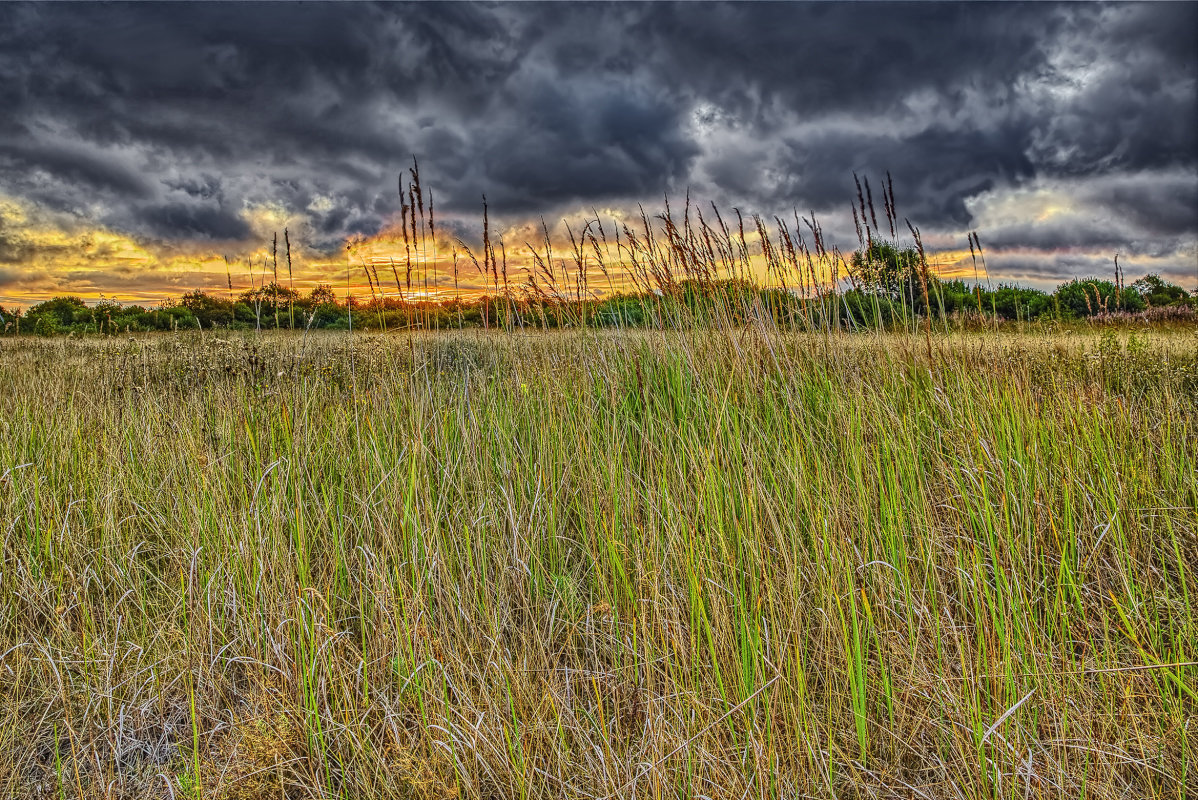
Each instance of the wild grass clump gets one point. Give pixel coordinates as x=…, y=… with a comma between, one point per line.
x=721, y=562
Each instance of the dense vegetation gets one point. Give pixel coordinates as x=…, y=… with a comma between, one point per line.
x=704, y=562
x=953, y=302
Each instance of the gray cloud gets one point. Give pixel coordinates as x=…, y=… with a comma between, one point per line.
x=13, y=248
x=200, y=221
x=178, y=121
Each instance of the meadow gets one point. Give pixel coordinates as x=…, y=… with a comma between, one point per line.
x=712, y=561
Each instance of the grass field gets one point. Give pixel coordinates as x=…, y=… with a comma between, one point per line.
x=724, y=564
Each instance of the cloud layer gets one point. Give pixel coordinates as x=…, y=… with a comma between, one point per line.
x=1060, y=132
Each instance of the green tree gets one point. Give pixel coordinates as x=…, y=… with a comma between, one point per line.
x=65, y=311
x=1018, y=302
x=329, y=315
x=131, y=318
x=322, y=295
x=882, y=267
x=102, y=314
x=46, y=325
x=209, y=310
x=268, y=299
x=1091, y=296
x=1158, y=292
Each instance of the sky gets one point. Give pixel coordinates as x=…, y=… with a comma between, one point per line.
x=141, y=144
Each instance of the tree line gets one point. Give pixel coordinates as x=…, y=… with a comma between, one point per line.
x=884, y=289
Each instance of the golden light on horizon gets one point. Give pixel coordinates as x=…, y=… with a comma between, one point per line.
x=46, y=256
x=100, y=263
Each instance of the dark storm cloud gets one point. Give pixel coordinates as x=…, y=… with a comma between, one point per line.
x=178, y=121
x=87, y=170
x=195, y=221
x=622, y=142
x=1163, y=205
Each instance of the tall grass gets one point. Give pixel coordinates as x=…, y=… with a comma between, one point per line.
x=730, y=562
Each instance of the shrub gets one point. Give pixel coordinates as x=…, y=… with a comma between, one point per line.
x=1158, y=292
x=1091, y=296
x=46, y=325
x=65, y=311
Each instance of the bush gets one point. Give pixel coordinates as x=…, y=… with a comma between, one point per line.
x=46, y=325
x=1158, y=292
x=210, y=311
x=1089, y=297
x=329, y=315
x=1017, y=302
x=64, y=311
